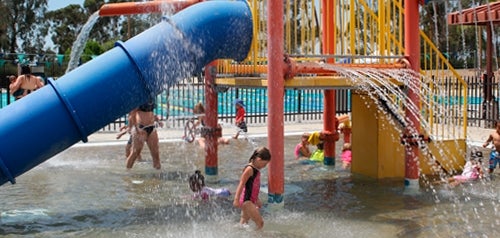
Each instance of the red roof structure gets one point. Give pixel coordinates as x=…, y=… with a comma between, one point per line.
x=483, y=15
x=480, y=15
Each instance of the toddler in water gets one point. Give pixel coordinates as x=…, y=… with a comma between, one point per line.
x=472, y=170
x=197, y=185
x=318, y=155
x=346, y=156
x=302, y=148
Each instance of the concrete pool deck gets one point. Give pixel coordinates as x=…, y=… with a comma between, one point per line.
x=175, y=134
x=476, y=136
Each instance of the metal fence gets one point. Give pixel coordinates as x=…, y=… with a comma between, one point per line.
x=481, y=112
x=175, y=104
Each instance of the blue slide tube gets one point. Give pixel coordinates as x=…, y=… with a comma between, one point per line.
x=95, y=94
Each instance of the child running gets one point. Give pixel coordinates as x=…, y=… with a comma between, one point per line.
x=247, y=193
x=197, y=185
x=240, y=118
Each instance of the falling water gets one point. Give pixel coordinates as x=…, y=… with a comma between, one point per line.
x=81, y=40
x=462, y=31
x=493, y=36
x=374, y=82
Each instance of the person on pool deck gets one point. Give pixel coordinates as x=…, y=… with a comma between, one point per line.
x=494, y=156
x=143, y=129
x=199, y=110
x=240, y=118
x=25, y=83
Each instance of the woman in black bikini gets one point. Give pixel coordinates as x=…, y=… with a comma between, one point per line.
x=143, y=128
x=25, y=83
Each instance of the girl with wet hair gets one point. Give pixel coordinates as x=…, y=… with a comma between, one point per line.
x=247, y=194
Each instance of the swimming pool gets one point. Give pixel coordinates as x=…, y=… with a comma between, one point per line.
x=181, y=101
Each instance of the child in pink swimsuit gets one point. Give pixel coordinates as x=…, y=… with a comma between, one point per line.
x=346, y=156
x=302, y=149
x=247, y=194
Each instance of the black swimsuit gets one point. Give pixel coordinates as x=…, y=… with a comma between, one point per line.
x=148, y=129
x=19, y=93
x=147, y=107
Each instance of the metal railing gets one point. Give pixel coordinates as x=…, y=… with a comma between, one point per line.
x=175, y=105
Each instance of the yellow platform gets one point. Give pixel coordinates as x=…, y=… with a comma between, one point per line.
x=377, y=150
x=317, y=82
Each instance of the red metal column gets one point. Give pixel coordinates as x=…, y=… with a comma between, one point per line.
x=329, y=111
x=275, y=90
x=490, y=105
x=211, y=117
x=412, y=52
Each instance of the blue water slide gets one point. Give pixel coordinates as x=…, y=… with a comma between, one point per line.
x=65, y=111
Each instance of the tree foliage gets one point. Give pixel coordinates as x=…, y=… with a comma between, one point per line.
x=21, y=28
x=65, y=24
x=462, y=44
x=26, y=26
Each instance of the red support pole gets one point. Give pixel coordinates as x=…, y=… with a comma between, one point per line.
x=211, y=117
x=412, y=51
x=276, y=91
x=329, y=110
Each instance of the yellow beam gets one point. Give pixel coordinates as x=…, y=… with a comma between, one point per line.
x=297, y=82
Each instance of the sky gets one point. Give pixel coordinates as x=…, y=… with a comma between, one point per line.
x=56, y=4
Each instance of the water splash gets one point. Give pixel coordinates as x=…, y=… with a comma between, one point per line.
x=81, y=40
x=379, y=90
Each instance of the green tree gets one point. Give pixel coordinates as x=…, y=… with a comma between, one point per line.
x=92, y=48
x=21, y=29
x=65, y=24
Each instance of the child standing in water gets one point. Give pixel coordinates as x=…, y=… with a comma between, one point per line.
x=346, y=156
x=240, y=117
x=247, y=194
x=494, y=156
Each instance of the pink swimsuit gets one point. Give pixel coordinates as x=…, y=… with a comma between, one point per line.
x=346, y=156
x=252, y=187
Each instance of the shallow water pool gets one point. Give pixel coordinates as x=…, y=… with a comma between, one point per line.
x=87, y=192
